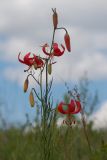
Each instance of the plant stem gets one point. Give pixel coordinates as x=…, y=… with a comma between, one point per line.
x=52, y=40
x=63, y=29
x=46, y=95
x=85, y=131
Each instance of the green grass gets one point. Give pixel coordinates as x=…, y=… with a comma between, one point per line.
x=68, y=144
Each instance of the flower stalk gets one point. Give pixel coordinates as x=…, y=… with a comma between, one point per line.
x=44, y=64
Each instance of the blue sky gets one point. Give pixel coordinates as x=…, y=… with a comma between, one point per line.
x=26, y=24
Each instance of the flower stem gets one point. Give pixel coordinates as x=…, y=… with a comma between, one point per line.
x=46, y=96
x=63, y=29
x=85, y=131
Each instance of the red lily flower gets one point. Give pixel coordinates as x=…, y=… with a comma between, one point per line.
x=39, y=62
x=73, y=108
x=26, y=60
x=56, y=51
x=68, y=106
x=77, y=105
x=35, y=60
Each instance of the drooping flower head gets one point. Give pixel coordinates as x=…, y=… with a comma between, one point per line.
x=70, y=109
x=73, y=107
x=27, y=59
x=38, y=61
x=30, y=61
x=56, y=51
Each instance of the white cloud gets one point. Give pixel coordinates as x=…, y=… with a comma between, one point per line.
x=16, y=15
x=71, y=68
x=100, y=117
x=15, y=45
x=27, y=24
x=100, y=40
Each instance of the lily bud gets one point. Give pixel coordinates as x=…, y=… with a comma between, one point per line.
x=31, y=99
x=49, y=68
x=25, y=87
x=55, y=19
x=67, y=42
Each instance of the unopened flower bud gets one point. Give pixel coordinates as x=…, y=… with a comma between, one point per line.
x=67, y=42
x=49, y=68
x=25, y=87
x=31, y=99
x=55, y=19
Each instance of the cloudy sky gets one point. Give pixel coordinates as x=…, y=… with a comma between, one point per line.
x=25, y=25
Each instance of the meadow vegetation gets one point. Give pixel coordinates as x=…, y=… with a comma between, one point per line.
x=65, y=143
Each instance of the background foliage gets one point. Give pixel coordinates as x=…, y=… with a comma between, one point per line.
x=68, y=143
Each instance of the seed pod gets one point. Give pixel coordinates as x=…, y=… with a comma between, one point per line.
x=49, y=68
x=31, y=99
x=55, y=19
x=67, y=42
x=25, y=87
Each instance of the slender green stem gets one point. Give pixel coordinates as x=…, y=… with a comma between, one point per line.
x=52, y=40
x=85, y=131
x=84, y=127
x=33, y=78
x=63, y=29
x=46, y=95
x=36, y=94
x=41, y=85
x=46, y=131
